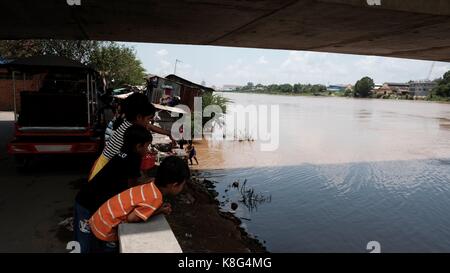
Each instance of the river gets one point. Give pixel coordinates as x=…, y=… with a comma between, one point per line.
x=346, y=172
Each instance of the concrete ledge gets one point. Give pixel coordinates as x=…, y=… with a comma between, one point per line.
x=153, y=236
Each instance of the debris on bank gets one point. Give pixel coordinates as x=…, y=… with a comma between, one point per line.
x=200, y=225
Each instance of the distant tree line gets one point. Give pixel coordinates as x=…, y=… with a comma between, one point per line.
x=362, y=89
x=283, y=88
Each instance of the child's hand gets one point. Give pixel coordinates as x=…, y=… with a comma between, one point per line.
x=166, y=208
x=173, y=142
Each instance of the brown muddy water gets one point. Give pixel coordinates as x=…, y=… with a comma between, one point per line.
x=346, y=172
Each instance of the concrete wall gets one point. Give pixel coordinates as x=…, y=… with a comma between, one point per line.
x=6, y=90
x=153, y=236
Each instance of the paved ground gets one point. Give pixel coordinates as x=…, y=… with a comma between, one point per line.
x=32, y=203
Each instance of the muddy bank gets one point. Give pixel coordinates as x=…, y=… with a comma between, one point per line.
x=200, y=226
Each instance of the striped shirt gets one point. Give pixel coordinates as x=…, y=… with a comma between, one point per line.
x=116, y=141
x=143, y=199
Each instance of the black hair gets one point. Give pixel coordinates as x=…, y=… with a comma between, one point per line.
x=135, y=134
x=116, y=124
x=137, y=104
x=119, y=114
x=172, y=170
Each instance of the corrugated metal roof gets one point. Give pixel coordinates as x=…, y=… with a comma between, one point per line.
x=176, y=78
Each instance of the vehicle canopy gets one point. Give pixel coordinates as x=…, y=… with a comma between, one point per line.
x=53, y=91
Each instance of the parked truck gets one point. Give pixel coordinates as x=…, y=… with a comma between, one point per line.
x=55, y=107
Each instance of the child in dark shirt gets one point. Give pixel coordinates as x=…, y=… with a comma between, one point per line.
x=119, y=174
x=192, y=153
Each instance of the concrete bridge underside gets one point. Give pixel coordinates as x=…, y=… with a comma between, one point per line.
x=418, y=29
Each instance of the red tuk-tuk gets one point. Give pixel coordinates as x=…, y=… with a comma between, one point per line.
x=55, y=109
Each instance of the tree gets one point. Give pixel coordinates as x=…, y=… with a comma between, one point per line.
x=260, y=86
x=297, y=88
x=272, y=88
x=443, y=87
x=363, y=87
x=307, y=88
x=317, y=88
x=285, y=88
x=119, y=64
x=10, y=49
x=76, y=50
x=81, y=51
x=348, y=92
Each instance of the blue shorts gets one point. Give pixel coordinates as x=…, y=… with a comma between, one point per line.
x=81, y=229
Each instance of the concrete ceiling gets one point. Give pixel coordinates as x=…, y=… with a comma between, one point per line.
x=418, y=29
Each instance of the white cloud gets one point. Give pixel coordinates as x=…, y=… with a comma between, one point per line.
x=309, y=67
x=162, y=52
x=439, y=70
x=221, y=65
x=164, y=63
x=185, y=66
x=262, y=60
x=321, y=68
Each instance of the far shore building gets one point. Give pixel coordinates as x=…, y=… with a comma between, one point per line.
x=336, y=88
x=229, y=87
x=390, y=88
x=421, y=89
x=376, y=88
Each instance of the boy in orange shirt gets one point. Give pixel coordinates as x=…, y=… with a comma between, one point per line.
x=137, y=204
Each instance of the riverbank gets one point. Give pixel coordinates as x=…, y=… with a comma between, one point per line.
x=335, y=96
x=200, y=226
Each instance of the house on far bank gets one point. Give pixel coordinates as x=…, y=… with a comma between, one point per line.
x=229, y=87
x=376, y=88
x=339, y=88
x=390, y=88
x=421, y=89
x=384, y=89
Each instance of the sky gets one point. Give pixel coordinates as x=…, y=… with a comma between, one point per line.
x=218, y=66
